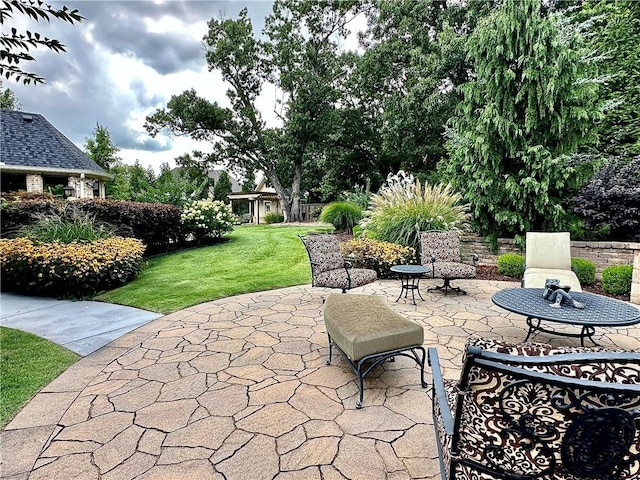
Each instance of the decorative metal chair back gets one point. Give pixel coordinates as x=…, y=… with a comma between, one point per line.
x=444, y=245
x=328, y=267
x=547, y=417
x=324, y=252
x=440, y=250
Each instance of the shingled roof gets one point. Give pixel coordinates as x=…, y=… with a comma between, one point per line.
x=29, y=143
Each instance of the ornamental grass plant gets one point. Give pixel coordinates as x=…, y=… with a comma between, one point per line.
x=342, y=215
x=404, y=206
x=66, y=226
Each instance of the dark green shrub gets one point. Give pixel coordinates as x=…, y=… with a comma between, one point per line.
x=617, y=279
x=511, y=264
x=274, y=217
x=157, y=225
x=342, y=215
x=585, y=270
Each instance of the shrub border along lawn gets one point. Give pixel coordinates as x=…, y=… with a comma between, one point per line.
x=27, y=363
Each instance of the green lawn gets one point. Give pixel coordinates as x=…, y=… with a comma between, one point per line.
x=256, y=258
x=27, y=363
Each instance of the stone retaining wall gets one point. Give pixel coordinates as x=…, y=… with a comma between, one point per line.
x=603, y=254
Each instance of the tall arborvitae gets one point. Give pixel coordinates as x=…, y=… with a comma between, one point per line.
x=527, y=110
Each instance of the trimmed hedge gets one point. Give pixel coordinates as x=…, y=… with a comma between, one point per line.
x=384, y=254
x=274, y=217
x=68, y=270
x=511, y=264
x=585, y=270
x=157, y=225
x=617, y=279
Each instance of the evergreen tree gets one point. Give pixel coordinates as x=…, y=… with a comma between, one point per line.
x=528, y=109
x=100, y=148
x=222, y=188
x=8, y=99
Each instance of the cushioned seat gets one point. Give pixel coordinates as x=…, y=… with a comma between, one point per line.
x=368, y=331
x=362, y=325
x=548, y=255
x=328, y=267
x=440, y=250
x=539, y=412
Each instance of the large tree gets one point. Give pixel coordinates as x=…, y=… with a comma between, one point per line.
x=15, y=46
x=527, y=110
x=301, y=57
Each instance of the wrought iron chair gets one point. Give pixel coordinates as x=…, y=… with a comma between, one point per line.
x=328, y=266
x=548, y=255
x=440, y=250
x=533, y=411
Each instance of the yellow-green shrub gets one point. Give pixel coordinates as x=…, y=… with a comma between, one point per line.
x=385, y=254
x=68, y=270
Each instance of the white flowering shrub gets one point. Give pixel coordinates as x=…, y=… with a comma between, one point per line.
x=207, y=218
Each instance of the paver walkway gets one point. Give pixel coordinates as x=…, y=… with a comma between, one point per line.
x=238, y=389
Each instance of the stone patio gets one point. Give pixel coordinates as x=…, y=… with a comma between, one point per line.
x=238, y=389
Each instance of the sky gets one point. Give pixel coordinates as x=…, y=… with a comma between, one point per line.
x=123, y=61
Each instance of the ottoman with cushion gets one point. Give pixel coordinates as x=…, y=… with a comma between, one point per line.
x=368, y=332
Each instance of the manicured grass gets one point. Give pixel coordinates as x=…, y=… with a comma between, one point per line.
x=256, y=258
x=27, y=363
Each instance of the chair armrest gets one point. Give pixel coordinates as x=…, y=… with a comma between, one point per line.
x=439, y=391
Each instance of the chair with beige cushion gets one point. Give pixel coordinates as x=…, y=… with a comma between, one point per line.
x=328, y=266
x=548, y=255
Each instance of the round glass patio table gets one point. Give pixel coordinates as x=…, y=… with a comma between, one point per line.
x=410, y=276
x=599, y=311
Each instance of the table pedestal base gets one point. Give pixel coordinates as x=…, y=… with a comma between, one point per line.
x=410, y=283
x=587, y=331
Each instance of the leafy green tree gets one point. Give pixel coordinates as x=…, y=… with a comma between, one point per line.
x=405, y=82
x=131, y=182
x=222, y=188
x=15, y=46
x=100, y=148
x=8, y=99
x=615, y=35
x=527, y=110
x=299, y=56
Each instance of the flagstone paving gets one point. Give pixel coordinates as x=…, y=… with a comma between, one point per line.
x=238, y=389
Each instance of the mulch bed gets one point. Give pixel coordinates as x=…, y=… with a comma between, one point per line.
x=488, y=272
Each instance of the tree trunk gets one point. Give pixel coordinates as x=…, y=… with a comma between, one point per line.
x=274, y=180
x=296, y=214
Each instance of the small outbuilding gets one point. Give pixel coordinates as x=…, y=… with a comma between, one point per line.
x=261, y=201
x=38, y=158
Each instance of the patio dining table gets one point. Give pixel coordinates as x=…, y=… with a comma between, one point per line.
x=599, y=311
